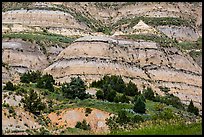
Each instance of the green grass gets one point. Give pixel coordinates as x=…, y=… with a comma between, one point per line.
x=75, y=131
x=93, y=103
x=178, y=129
x=191, y=45
x=39, y=37
x=162, y=40
x=153, y=21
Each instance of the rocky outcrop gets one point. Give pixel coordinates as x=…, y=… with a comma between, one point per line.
x=180, y=33
x=145, y=63
x=22, y=56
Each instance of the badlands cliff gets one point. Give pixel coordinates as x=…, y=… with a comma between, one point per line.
x=100, y=45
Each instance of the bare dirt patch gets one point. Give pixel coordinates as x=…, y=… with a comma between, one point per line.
x=69, y=117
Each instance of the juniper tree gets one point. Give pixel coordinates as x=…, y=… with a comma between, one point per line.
x=76, y=88
x=32, y=102
x=191, y=108
x=139, y=105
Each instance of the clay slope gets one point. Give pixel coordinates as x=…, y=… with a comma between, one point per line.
x=69, y=18
x=20, y=56
x=145, y=63
x=36, y=20
x=69, y=117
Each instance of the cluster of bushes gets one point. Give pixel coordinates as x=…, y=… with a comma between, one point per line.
x=122, y=120
x=46, y=82
x=43, y=81
x=110, y=85
x=17, y=88
x=88, y=111
x=5, y=65
x=162, y=112
x=83, y=125
x=168, y=99
x=30, y=76
x=32, y=102
x=55, y=38
x=10, y=86
x=75, y=89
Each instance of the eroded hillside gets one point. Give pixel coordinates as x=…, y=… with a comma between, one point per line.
x=152, y=44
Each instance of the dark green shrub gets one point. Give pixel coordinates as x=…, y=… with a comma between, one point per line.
x=30, y=76
x=191, y=108
x=20, y=91
x=137, y=118
x=165, y=114
x=164, y=89
x=139, y=105
x=111, y=95
x=122, y=117
x=11, y=110
x=116, y=98
x=83, y=125
x=46, y=82
x=99, y=94
x=9, y=86
x=131, y=89
x=124, y=99
x=112, y=82
x=32, y=102
x=5, y=105
x=170, y=99
x=88, y=111
x=43, y=131
x=76, y=88
x=148, y=93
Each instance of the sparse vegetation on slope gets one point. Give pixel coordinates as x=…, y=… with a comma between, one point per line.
x=165, y=129
x=125, y=100
x=154, y=21
x=42, y=39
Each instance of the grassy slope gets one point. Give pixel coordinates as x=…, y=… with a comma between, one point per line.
x=179, y=129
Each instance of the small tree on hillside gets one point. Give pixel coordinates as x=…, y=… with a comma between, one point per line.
x=191, y=108
x=30, y=76
x=111, y=95
x=99, y=94
x=120, y=85
x=148, y=93
x=139, y=105
x=9, y=86
x=131, y=89
x=124, y=99
x=76, y=88
x=32, y=102
x=46, y=81
x=122, y=117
